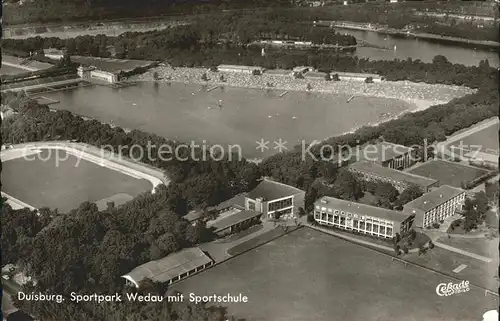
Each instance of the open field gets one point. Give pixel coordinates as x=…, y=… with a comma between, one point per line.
x=64, y=184
x=484, y=139
x=11, y=70
x=448, y=173
x=481, y=246
x=307, y=275
x=477, y=271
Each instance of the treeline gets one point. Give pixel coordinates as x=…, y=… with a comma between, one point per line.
x=400, y=16
x=44, y=11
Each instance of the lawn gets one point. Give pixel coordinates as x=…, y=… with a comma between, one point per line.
x=256, y=241
x=311, y=276
x=67, y=184
x=480, y=246
x=448, y=173
x=485, y=140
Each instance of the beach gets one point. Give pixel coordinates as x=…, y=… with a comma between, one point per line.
x=420, y=95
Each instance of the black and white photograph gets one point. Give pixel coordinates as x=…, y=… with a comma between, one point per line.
x=250, y=160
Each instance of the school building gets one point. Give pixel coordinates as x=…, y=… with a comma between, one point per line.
x=436, y=206
x=361, y=218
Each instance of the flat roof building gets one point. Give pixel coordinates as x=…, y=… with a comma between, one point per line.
x=361, y=218
x=435, y=206
x=389, y=155
x=240, y=68
x=275, y=200
x=234, y=222
x=171, y=268
x=369, y=171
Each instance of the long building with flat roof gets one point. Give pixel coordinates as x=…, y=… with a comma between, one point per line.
x=369, y=171
x=171, y=268
x=234, y=222
x=435, y=206
x=361, y=218
x=389, y=155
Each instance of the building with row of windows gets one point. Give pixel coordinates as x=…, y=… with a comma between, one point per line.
x=389, y=155
x=240, y=69
x=90, y=72
x=369, y=171
x=275, y=200
x=435, y=206
x=362, y=218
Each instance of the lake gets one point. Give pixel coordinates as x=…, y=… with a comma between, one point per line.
x=186, y=112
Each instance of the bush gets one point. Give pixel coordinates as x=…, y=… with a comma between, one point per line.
x=435, y=225
x=369, y=80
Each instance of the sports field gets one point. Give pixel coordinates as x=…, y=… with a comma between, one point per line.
x=448, y=173
x=484, y=140
x=310, y=276
x=43, y=181
x=9, y=70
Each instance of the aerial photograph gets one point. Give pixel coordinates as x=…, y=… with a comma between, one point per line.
x=250, y=160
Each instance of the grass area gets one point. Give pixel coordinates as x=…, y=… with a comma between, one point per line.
x=9, y=70
x=485, y=140
x=256, y=241
x=480, y=246
x=477, y=272
x=311, y=276
x=66, y=184
x=237, y=236
x=448, y=173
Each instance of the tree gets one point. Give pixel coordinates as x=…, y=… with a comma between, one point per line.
x=387, y=191
x=335, y=77
x=309, y=87
x=328, y=77
x=221, y=78
x=204, y=77
x=298, y=75
x=413, y=234
x=156, y=76
x=405, y=249
x=409, y=194
x=396, y=249
x=346, y=185
x=369, y=80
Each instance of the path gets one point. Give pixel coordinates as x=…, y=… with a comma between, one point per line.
x=218, y=250
x=463, y=252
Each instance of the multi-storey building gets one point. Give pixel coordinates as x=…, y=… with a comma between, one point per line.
x=389, y=155
x=274, y=199
x=436, y=205
x=366, y=219
x=369, y=171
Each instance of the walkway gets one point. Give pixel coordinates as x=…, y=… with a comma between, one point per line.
x=218, y=250
x=463, y=252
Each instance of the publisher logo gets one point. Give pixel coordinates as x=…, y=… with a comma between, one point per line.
x=447, y=289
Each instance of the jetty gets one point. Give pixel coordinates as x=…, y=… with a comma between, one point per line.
x=212, y=88
x=283, y=93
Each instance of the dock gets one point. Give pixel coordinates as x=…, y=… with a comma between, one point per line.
x=212, y=88
x=283, y=93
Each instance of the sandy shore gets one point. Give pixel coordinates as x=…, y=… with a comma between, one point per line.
x=419, y=95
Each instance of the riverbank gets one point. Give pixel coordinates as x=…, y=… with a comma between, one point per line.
x=420, y=95
x=479, y=44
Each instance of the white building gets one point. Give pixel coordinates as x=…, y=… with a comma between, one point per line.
x=240, y=69
x=436, y=205
x=90, y=72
